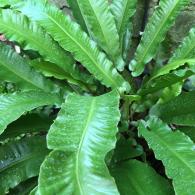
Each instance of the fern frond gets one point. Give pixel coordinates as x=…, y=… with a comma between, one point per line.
x=93, y=132
x=77, y=14
x=18, y=27
x=175, y=149
x=127, y=173
x=179, y=110
x=162, y=19
x=12, y=106
x=186, y=49
x=102, y=27
x=20, y=160
x=123, y=10
x=4, y=3
x=14, y=68
x=29, y=123
x=73, y=39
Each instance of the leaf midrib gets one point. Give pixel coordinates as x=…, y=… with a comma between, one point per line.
x=26, y=158
x=44, y=51
x=102, y=31
x=121, y=23
x=20, y=76
x=156, y=33
x=82, y=48
x=26, y=37
x=173, y=152
x=88, y=119
x=188, y=51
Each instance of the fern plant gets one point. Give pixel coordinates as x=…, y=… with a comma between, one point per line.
x=79, y=115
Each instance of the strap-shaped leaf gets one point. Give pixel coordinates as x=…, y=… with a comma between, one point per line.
x=166, y=80
x=16, y=69
x=27, y=124
x=49, y=69
x=12, y=106
x=155, y=32
x=186, y=49
x=163, y=78
x=176, y=151
x=73, y=39
x=135, y=177
x=77, y=14
x=171, y=92
x=102, y=27
x=123, y=10
x=93, y=132
x=180, y=110
x=18, y=27
x=20, y=160
x=173, y=66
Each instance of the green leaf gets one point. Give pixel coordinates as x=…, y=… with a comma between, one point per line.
x=173, y=66
x=20, y=160
x=18, y=27
x=16, y=69
x=189, y=131
x=77, y=14
x=126, y=44
x=168, y=76
x=186, y=49
x=170, y=92
x=12, y=106
x=162, y=19
x=35, y=191
x=137, y=178
x=126, y=149
x=49, y=69
x=73, y=39
x=179, y=110
x=123, y=10
x=176, y=151
x=24, y=188
x=166, y=80
x=102, y=27
x=94, y=132
x=29, y=123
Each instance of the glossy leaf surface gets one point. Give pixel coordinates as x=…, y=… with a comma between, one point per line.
x=14, y=68
x=102, y=27
x=12, y=106
x=73, y=39
x=21, y=160
x=29, y=123
x=155, y=31
x=18, y=27
x=186, y=48
x=123, y=10
x=179, y=110
x=87, y=140
x=176, y=151
x=135, y=177
x=76, y=11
